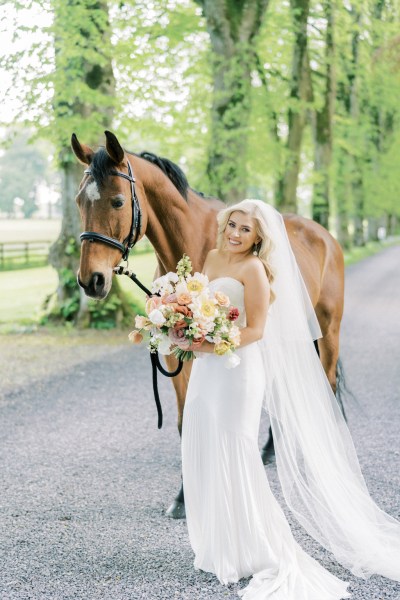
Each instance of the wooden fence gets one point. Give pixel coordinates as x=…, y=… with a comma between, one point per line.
x=15, y=255
x=19, y=255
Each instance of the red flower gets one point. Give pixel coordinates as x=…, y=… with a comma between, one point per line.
x=233, y=313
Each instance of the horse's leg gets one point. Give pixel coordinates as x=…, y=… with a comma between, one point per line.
x=268, y=451
x=180, y=382
x=328, y=346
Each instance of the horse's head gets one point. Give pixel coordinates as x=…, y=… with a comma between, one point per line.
x=110, y=211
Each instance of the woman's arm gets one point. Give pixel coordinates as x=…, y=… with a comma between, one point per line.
x=256, y=302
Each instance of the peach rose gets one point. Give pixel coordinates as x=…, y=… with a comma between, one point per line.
x=180, y=325
x=222, y=299
x=184, y=298
x=183, y=310
x=135, y=337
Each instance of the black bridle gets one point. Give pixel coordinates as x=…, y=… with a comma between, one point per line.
x=134, y=233
x=125, y=247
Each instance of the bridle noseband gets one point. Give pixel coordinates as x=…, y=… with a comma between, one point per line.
x=134, y=233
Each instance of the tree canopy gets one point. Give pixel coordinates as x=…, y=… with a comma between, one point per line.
x=293, y=102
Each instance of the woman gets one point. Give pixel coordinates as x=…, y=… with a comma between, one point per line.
x=236, y=527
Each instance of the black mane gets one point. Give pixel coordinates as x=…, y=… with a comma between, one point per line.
x=171, y=170
x=102, y=165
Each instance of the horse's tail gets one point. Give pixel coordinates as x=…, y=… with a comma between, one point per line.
x=341, y=388
x=343, y=392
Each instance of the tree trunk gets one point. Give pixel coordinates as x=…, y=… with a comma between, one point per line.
x=64, y=253
x=357, y=178
x=70, y=302
x=232, y=25
x=350, y=199
x=323, y=126
x=300, y=93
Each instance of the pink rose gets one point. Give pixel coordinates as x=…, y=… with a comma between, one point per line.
x=169, y=298
x=152, y=303
x=177, y=337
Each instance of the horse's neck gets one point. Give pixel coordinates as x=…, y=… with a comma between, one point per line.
x=171, y=223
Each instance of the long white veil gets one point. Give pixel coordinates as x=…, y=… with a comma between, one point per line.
x=317, y=463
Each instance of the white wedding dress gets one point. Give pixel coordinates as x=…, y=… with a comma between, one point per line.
x=236, y=527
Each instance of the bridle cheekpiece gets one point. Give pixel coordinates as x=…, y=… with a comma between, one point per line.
x=134, y=233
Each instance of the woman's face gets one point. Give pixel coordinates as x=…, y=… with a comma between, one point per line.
x=240, y=233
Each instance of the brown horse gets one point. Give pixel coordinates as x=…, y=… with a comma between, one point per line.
x=176, y=219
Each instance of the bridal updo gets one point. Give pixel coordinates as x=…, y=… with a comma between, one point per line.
x=264, y=248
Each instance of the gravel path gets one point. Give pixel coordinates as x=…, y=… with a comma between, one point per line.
x=86, y=476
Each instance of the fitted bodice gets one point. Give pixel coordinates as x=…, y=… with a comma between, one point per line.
x=235, y=290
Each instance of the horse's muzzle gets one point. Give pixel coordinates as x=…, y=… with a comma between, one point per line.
x=96, y=288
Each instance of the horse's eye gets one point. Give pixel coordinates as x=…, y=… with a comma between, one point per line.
x=117, y=203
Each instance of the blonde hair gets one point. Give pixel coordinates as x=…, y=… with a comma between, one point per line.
x=264, y=248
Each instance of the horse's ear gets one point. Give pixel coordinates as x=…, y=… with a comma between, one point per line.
x=83, y=153
x=114, y=148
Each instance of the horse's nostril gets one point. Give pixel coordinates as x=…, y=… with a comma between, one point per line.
x=98, y=282
x=83, y=286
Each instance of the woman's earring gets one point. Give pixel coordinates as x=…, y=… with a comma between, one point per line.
x=256, y=249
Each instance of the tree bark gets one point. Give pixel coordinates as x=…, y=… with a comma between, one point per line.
x=232, y=26
x=300, y=92
x=71, y=304
x=323, y=129
x=357, y=177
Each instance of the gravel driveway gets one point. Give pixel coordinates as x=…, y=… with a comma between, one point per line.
x=86, y=476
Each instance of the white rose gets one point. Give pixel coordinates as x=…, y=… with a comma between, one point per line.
x=156, y=317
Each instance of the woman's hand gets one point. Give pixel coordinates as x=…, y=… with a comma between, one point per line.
x=203, y=346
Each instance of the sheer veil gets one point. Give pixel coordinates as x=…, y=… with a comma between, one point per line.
x=316, y=459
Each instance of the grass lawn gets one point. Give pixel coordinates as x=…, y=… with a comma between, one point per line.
x=22, y=292
x=358, y=253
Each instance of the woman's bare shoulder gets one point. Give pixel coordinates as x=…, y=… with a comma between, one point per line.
x=254, y=271
x=211, y=258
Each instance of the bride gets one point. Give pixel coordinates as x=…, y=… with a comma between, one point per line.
x=236, y=527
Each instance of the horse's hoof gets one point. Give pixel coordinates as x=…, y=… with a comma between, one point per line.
x=176, y=510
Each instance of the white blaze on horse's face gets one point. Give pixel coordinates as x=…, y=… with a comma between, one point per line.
x=92, y=191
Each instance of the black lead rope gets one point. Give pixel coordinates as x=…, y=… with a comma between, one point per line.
x=155, y=360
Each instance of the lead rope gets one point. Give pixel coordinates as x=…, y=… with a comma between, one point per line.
x=155, y=360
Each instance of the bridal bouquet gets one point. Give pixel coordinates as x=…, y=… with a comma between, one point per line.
x=183, y=312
